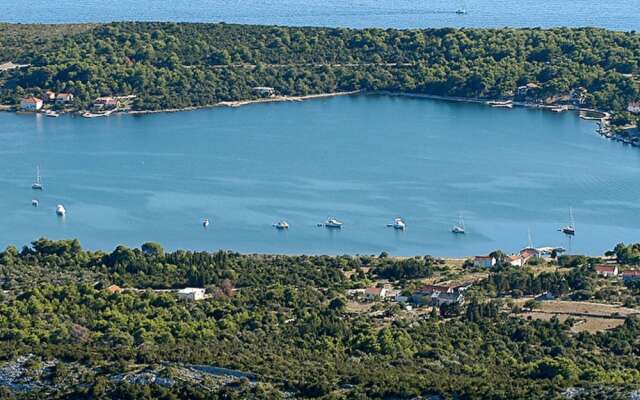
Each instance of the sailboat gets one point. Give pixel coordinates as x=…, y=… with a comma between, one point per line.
x=571, y=228
x=37, y=185
x=462, y=10
x=459, y=227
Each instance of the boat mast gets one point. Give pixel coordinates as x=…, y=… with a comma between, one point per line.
x=572, y=221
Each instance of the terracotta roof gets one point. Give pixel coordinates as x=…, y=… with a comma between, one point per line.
x=605, y=268
x=373, y=290
x=31, y=99
x=114, y=289
x=434, y=288
x=633, y=272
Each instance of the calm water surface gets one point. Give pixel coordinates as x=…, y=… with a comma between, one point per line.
x=618, y=15
x=131, y=179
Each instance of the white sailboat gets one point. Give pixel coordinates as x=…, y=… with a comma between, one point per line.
x=37, y=185
x=459, y=227
x=571, y=228
x=462, y=10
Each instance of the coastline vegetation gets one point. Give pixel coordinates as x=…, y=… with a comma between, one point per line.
x=179, y=65
x=285, y=322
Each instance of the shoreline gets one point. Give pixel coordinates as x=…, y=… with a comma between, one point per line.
x=603, y=120
x=240, y=103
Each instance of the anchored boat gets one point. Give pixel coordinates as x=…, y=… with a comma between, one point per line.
x=60, y=210
x=333, y=222
x=571, y=228
x=398, y=223
x=281, y=225
x=37, y=185
x=459, y=227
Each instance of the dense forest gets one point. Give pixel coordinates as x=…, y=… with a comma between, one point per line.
x=282, y=321
x=173, y=65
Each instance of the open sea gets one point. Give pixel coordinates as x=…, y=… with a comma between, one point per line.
x=616, y=15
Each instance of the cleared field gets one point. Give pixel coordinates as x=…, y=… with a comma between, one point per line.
x=591, y=317
x=585, y=307
x=583, y=324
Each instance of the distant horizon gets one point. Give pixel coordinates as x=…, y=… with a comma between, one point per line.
x=365, y=14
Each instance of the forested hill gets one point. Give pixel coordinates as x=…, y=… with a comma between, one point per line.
x=170, y=65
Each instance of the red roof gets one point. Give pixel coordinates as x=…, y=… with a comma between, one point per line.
x=434, y=288
x=605, y=268
x=376, y=291
x=633, y=272
x=32, y=99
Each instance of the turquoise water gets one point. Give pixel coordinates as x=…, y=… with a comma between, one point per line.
x=618, y=15
x=365, y=159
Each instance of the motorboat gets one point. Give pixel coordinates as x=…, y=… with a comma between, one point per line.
x=34, y=203
x=398, y=223
x=60, y=210
x=281, y=225
x=332, y=222
x=205, y=222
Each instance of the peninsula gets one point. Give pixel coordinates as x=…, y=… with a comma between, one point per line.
x=145, y=66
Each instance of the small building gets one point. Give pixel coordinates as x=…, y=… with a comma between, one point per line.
x=634, y=107
x=529, y=253
x=391, y=294
x=375, y=293
x=631, y=275
x=114, y=289
x=355, y=292
x=63, y=98
x=546, y=296
x=429, y=289
x=49, y=96
x=105, y=102
x=264, y=91
x=440, y=299
x=515, y=260
x=31, y=104
x=484, y=261
x=523, y=90
x=606, y=270
x=191, y=294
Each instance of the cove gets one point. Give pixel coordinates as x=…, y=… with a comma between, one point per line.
x=365, y=159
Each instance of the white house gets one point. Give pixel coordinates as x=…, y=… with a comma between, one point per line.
x=374, y=293
x=484, y=261
x=607, y=270
x=191, y=294
x=63, y=98
x=31, y=104
x=264, y=91
x=514, y=260
x=634, y=107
